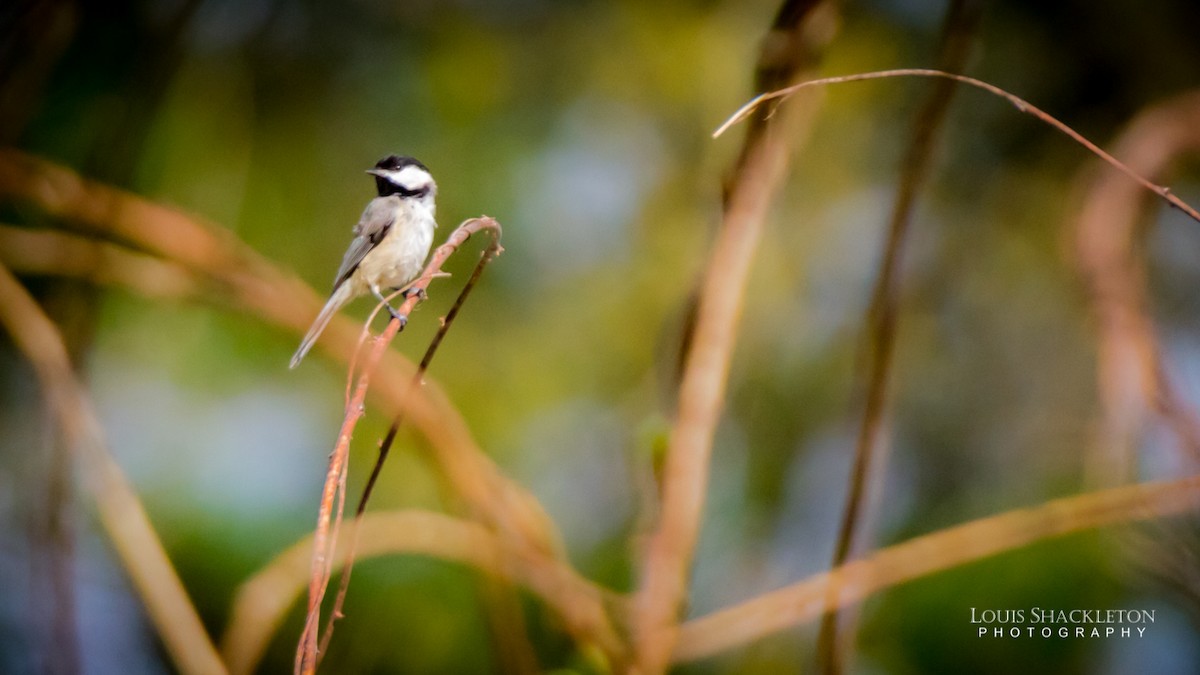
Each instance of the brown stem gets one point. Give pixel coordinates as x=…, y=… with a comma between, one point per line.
x=261, y=603
x=1131, y=375
x=667, y=565
x=121, y=513
x=1021, y=105
x=806, y=600
x=471, y=475
x=385, y=447
x=323, y=539
x=46, y=252
x=958, y=29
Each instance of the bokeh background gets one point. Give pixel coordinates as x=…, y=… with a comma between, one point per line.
x=584, y=127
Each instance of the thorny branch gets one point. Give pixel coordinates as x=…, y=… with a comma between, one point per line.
x=213, y=265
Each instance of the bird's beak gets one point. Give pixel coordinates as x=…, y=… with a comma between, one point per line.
x=376, y=172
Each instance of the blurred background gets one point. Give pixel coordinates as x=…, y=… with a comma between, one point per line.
x=584, y=127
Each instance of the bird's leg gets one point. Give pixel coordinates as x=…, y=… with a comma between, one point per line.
x=391, y=310
x=413, y=289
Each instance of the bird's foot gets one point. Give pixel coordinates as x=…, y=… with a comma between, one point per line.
x=397, y=316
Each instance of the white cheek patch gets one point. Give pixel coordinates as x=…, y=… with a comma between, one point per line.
x=410, y=178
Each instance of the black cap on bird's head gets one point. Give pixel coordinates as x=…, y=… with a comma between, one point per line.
x=402, y=175
x=397, y=162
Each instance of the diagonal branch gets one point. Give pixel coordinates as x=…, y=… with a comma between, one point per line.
x=925, y=555
x=49, y=252
x=1019, y=103
x=322, y=560
x=473, y=476
x=465, y=469
x=120, y=511
x=386, y=446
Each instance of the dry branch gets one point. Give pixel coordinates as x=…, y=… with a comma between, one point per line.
x=103, y=210
x=1130, y=371
x=120, y=511
x=322, y=561
x=262, y=601
x=806, y=600
x=386, y=446
x=958, y=31
x=801, y=28
x=1019, y=103
x=47, y=252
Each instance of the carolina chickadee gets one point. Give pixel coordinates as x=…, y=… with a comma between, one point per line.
x=391, y=240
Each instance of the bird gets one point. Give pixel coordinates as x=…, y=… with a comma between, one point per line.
x=391, y=241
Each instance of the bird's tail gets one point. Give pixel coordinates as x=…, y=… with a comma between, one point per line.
x=341, y=295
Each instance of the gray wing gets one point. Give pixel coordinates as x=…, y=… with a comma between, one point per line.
x=374, y=224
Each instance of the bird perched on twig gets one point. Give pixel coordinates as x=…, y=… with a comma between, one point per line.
x=391, y=241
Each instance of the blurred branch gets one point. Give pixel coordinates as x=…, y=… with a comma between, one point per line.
x=35, y=36
x=790, y=51
x=120, y=511
x=110, y=212
x=1169, y=555
x=1131, y=375
x=49, y=252
x=1021, y=105
x=806, y=600
x=322, y=561
x=958, y=30
x=263, y=600
x=801, y=29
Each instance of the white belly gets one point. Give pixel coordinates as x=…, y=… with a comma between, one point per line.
x=399, y=258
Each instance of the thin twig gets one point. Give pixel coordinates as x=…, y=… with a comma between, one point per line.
x=322, y=561
x=869, y=457
x=1019, y=103
x=121, y=513
x=493, y=250
x=806, y=600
